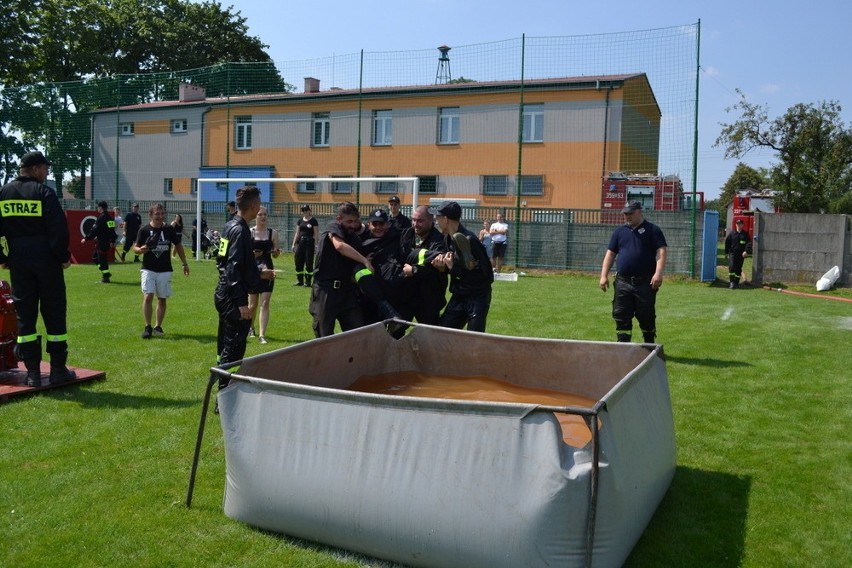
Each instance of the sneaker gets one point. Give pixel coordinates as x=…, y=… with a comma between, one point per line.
x=251, y=332
x=59, y=375
x=261, y=340
x=463, y=251
x=158, y=331
x=147, y=333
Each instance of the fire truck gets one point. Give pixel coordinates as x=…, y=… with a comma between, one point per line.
x=746, y=203
x=656, y=193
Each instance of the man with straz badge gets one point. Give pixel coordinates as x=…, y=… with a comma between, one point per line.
x=36, y=232
x=639, y=250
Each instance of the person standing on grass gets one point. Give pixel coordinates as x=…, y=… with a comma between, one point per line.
x=265, y=244
x=639, y=249
x=154, y=243
x=304, y=243
x=36, y=233
x=499, y=231
x=470, y=271
x=737, y=248
x=103, y=231
x=132, y=223
x=238, y=275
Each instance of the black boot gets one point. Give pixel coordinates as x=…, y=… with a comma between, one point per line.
x=623, y=337
x=59, y=373
x=649, y=337
x=395, y=328
x=30, y=353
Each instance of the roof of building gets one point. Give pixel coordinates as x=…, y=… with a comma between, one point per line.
x=582, y=82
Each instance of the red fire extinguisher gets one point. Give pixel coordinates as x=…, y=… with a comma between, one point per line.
x=8, y=328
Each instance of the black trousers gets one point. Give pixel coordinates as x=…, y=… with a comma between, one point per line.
x=39, y=285
x=304, y=258
x=232, y=333
x=735, y=266
x=471, y=310
x=331, y=305
x=634, y=299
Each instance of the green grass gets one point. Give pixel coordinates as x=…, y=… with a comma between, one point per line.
x=96, y=475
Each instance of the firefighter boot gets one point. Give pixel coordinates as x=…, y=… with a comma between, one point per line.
x=30, y=353
x=59, y=373
x=649, y=336
x=623, y=336
x=396, y=329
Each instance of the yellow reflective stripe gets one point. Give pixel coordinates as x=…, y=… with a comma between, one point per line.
x=20, y=208
x=421, y=257
x=233, y=369
x=27, y=338
x=362, y=273
x=63, y=337
x=223, y=246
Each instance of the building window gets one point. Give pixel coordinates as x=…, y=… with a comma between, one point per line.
x=322, y=128
x=532, y=185
x=533, y=123
x=193, y=186
x=168, y=188
x=387, y=186
x=306, y=187
x=179, y=126
x=341, y=187
x=448, y=125
x=222, y=187
x=382, y=128
x=427, y=184
x=495, y=185
x=243, y=133
x=126, y=128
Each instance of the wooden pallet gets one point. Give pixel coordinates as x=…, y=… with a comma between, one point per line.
x=13, y=381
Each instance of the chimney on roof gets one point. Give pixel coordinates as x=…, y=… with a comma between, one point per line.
x=311, y=85
x=188, y=93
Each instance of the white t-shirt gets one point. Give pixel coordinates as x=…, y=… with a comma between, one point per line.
x=499, y=232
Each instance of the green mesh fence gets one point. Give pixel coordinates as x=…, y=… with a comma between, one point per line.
x=66, y=120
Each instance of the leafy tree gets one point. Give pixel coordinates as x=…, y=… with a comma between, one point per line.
x=814, y=147
x=743, y=177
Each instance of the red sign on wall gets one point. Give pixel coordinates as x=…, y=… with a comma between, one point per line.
x=80, y=221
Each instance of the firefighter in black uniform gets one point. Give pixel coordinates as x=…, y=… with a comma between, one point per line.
x=421, y=245
x=36, y=234
x=737, y=247
x=104, y=231
x=640, y=249
x=470, y=272
x=238, y=274
x=304, y=244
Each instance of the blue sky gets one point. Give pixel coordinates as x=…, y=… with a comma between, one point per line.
x=778, y=53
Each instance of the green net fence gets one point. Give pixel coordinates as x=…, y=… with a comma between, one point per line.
x=490, y=165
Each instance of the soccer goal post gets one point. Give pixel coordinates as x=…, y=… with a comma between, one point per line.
x=383, y=187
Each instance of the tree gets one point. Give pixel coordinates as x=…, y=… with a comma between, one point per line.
x=743, y=177
x=814, y=147
x=75, y=56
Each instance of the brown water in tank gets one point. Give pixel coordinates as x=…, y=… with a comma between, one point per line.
x=410, y=383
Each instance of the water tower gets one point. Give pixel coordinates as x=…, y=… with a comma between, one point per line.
x=443, y=75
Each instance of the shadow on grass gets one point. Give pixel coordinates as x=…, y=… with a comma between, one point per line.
x=108, y=399
x=706, y=362
x=701, y=522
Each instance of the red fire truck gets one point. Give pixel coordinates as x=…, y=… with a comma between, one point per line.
x=656, y=193
x=746, y=203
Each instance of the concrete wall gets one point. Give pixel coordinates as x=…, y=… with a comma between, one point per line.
x=798, y=248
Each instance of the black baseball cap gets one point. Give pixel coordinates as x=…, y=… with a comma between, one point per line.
x=632, y=206
x=35, y=158
x=306, y=207
x=393, y=199
x=450, y=210
x=378, y=215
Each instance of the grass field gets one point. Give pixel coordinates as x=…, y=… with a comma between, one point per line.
x=96, y=475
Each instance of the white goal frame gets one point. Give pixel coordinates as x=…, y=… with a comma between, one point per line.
x=415, y=187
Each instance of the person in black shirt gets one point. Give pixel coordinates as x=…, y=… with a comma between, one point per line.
x=395, y=217
x=737, y=247
x=104, y=232
x=238, y=275
x=421, y=245
x=304, y=243
x=470, y=272
x=639, y=248
x=132, y=222
x=36, y=232
x=154, y=242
